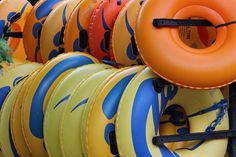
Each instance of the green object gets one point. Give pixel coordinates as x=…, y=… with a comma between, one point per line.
x=4, y=49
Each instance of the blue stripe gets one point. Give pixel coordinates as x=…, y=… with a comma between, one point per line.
x=56, y=38
x=109, y=128
x=4, y=91
x=145, y=99
x=76, y=46
x=79, y=26
x=2, y=26
x=84, y=101
x=105, y=26
x=44, y=9
x=36, y=110
x=9, y=16
x=64, y=16
x=129, y=52
x=13, y=148
x=53, y=54
x=112, y=100
x=129, y=28
x=23, y=9
x=16, y=80
x=61, y=101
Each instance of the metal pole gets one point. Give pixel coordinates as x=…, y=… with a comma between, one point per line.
x=232, y=119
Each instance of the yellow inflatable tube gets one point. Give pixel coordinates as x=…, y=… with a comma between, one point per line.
x=70, y=132
x=102, y=113
x=40, y=91
x=141, y=108
x=7, y=145
x=16, y=125
x=59, y=99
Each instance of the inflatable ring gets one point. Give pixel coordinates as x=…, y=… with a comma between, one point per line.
x=138, y=119
x=179, y=63
x=51, y=41
x=101, y=26
x=57, y=102
x=40, y=91
x=7, y=146
x=10, y=77
x=123, y=43
x=16, y=127
x=76, y=31
x=12, y=19
x=33, y=27
x=70, y=132
x=101, y=116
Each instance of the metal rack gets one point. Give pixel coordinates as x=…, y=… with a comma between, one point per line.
x=231, y=133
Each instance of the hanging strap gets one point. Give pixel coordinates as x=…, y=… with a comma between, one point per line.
x=165, y=22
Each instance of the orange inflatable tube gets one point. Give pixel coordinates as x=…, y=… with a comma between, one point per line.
x=101, y=26
x=163, y=50
x=12, y=20
x=123, y=42
x=76, y=30
x=33, y=27
x=51, y=42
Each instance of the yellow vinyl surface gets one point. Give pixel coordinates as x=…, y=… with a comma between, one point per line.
x=70, y=130
x=102, y=113
x=59, y=99
x=139, y=115
x=16, y=127
x=39, y=93
x=7, y=145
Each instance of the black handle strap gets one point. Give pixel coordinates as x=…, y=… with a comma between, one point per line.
x=13, y=34
x=180, y=22
x=164, y=22
x=134, y=46
x=62, y=36
x=113, y=143
x=160, y=140
x=107, y=36
x=83, y=36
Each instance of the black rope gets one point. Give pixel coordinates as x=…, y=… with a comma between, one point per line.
x=164, y=22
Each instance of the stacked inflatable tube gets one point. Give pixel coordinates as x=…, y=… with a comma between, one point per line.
x=13, y=16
